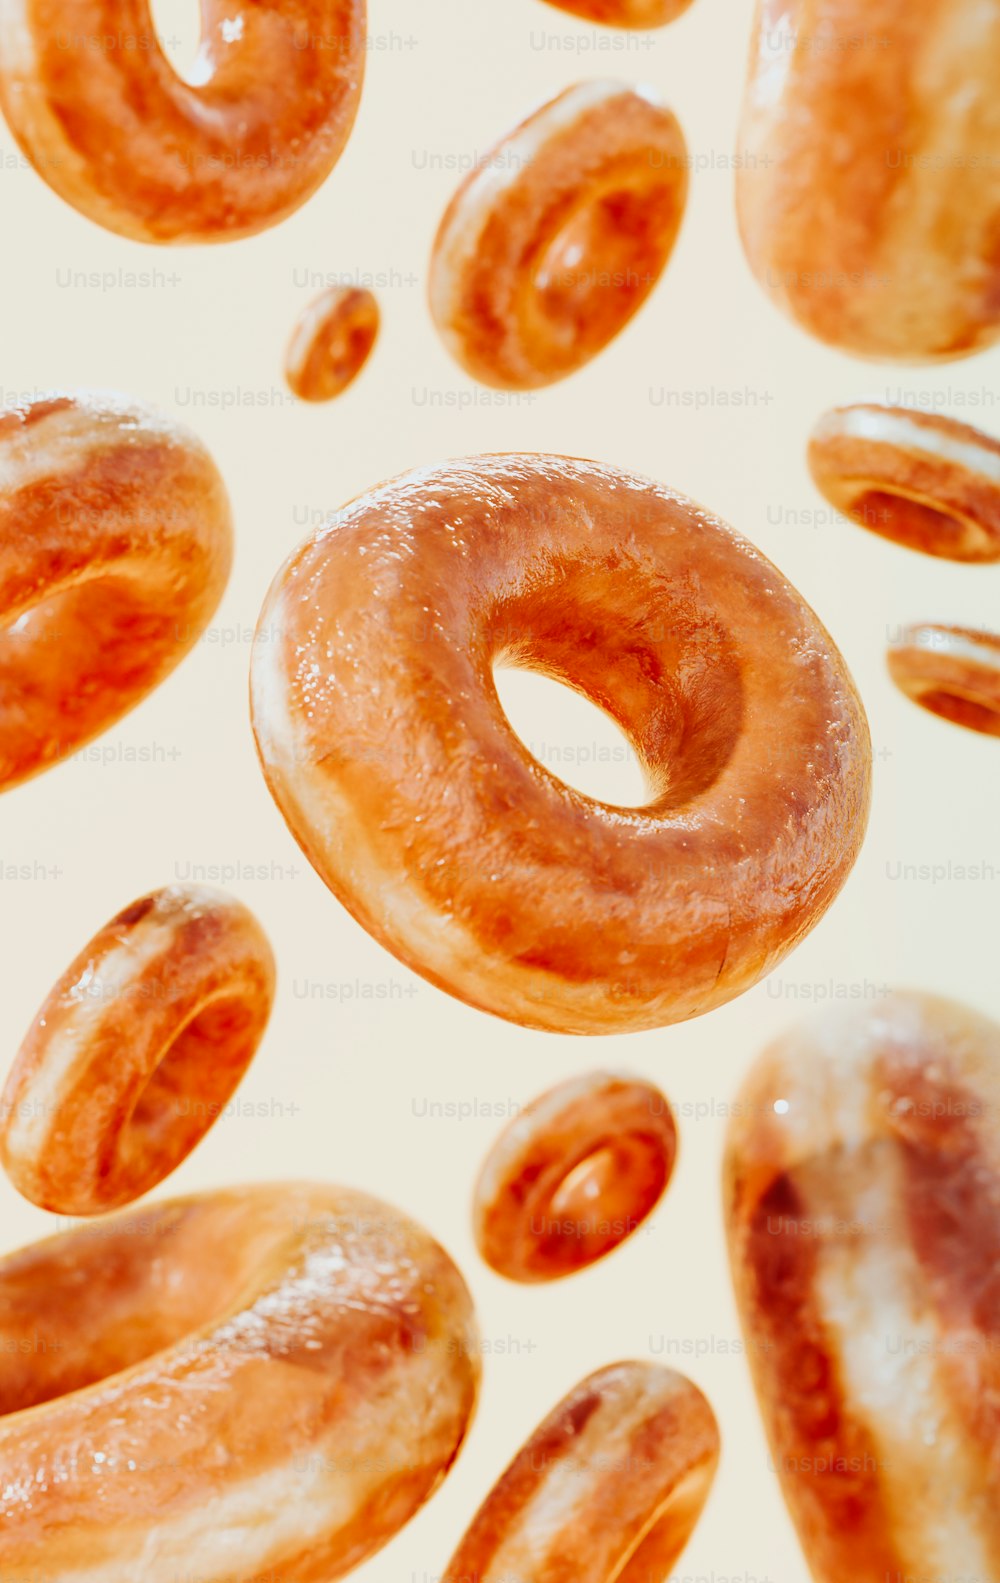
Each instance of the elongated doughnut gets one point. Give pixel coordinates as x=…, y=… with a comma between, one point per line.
x=573, y=1175
x=953, y=672
x=387, y=750
x=136, y=1050
x=104, y=118
x=608, y=1489
x=331, y=343
x=862, y=1191
x=924, y=481
x=266, y=1381
x=868, y=180
x=625, y=13
x=559, y=235
x=115, y=547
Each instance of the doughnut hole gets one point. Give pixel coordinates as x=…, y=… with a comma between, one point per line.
x=657, y=1549
x=601, y=1201
x=920, y=525
x=962, y=709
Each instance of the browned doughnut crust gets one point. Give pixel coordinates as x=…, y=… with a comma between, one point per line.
x=869, y=172
x=331, y=343
x=953, y=672
x=625, y=13
x=385, y=745
x=259, y=1382
x=862, y=1193
x=104, y=118
x=115, y=547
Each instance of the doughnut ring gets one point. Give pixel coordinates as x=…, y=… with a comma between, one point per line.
x=868, y=184
x=331, y=343
x=99, y=111
x=573, y=1176
x=610, y=1485
x=559, y=235
x=115, y=547
x=136, y=1051
x=862, y=1192
x=952, y=671
x=926, y=482
x=624, y=13
x=386, y=748
x=151, y=1357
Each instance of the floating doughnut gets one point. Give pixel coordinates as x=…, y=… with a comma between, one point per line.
x=952, y=671
x=573, y=1175
x=868, y=182
x=331, y=343
x=107, y=122
x=115, y=546
x=136, y=1051
x=624, y=13
x=863, y=1201
x=926, y=482
x=387, y=750
x=559, y=235
x=609, y=1486
x=263, y=1382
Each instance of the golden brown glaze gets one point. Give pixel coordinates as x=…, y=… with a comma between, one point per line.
x=266, y=1381
x=862, y=1192
x=558, y=237
x=573, y=1175
x=136, y=1051
x=924, y=481
x=104, y=118
x=625, y=13
x=388, y=752
x=331, y=343
x=115, y=547
x=608, y=1489
x=869, y=172
x=952, y=671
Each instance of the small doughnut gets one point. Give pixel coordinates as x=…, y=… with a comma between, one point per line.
x=331, y=343
x=608, y=1489
x=136, y=1051
x=106, y=121
x=559, y=235
x=862, y=1193
x=624, y=13
x=115, y=547
x=386, y=748
x=573, y=1175
x=262, y=1382
x=952, y=671
x=868, y=182
x=924, y=481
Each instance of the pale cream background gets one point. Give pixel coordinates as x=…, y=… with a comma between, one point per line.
x=446, y=77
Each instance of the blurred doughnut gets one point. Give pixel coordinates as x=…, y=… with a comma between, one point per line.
x=331, y=343
x=624, y=13
x=952, y=671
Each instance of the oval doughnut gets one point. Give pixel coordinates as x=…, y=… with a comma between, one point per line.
x=136, y=1051
x=924, y=481
x=387, y=750
x=868, y=187
x=331, y=343
x=110, y=126
x=265, y=1381
x=115, y=547
x=952, y=671
x=573, y=1175
x=862, y=1192
x=559, y=235
x=624, y=13
x=608, y=1489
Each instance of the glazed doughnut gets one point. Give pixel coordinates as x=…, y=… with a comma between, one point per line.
x=559, y=235
x=924, y=481
x=136, y=1051
x=952, y=671
x=106, y=121
x=331, y=343
x=267, y=1381
x=608, y=1489
x=115, y=547
x=868, y=182
x=573, y=1175
x=624, y=13
x=863, y=1200
x=387, y=750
